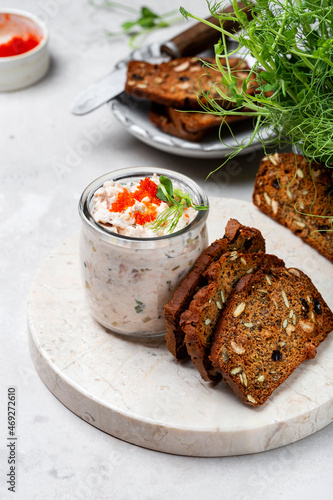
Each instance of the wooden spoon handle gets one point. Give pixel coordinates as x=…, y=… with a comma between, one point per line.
x=200, y=36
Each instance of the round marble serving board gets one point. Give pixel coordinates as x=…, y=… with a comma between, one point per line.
x=135, y=390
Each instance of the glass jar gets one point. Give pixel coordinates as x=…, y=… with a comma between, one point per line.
x=128, y=280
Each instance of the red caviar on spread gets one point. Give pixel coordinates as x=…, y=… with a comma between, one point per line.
x=147, y=189
x=129, y=208
x=18, y=45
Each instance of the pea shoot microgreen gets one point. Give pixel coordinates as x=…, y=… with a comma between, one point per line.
x=178, y=201
x=142, y=21
x=292, y=44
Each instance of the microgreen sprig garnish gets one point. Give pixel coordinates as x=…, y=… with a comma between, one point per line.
x=142, y=20
x=178, y=201
x=292, y=44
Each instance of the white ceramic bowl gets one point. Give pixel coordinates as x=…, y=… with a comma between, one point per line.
x=24, y=69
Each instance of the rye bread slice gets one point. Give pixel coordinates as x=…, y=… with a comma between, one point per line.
x=178, y=83
x=159, y=115
x=194, y=122
x=271, y=324
x=284, y=180
x=200, y=320
x=236, y=237
x=191, y=126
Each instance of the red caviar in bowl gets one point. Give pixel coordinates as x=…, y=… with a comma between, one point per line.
x=18, y=45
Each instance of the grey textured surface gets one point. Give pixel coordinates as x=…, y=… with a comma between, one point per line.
x=47, y=159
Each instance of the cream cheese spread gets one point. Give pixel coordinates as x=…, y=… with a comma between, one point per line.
x=130, y=208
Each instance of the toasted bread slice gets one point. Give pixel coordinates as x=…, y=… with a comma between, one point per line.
x=200, y=320
x=191, y=126
x=284, y=180
x=159, y=115
x=237, y=237
x=178, y=83
x=271, y=324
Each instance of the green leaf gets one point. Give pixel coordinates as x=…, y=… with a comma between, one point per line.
x=269, y=86
x=147, y=22
x=167, y=183
x=160, y=194
x=139, y=307
x=146, y=12
x=301, y=75
x=183, y=12
x=219, y=47
x=240, y=14
x=268, y=76
x=127, y=25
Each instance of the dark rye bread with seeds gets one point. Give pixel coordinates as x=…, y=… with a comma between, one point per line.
x=278, y=194
x=196, y=121
x=177, y=83
x=200, y=320
x=274, y=320
x=160, y=116
x=191, y=126
x=236, y=237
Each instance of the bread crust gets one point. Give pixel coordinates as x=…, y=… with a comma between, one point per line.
x=182, y=297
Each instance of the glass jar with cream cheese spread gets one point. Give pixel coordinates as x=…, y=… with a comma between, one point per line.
x=130, y=270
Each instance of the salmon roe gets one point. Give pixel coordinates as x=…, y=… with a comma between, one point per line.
x=124, y=200
x=146, y=189
x=18, y=45
x=143, y=218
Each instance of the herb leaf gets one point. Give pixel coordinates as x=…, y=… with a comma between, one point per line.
x=166, y=187
x=160, y=194
x=139, y=307
x=146, y=12
x=145, y=20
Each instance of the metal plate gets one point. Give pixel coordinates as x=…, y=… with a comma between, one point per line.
x=132, y=114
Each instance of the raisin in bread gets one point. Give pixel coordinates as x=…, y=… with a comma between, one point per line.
x=236, y=237
x=278, y=194
x=273, y=321
x=199, y=321
x=177, y=83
